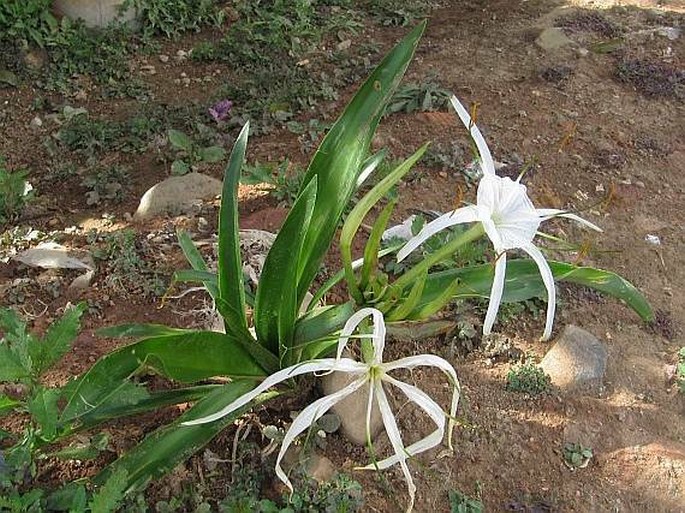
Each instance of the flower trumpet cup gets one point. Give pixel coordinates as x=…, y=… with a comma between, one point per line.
x=509, y=219
x=373, y=373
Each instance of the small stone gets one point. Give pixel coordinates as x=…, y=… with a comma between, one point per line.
x=344, y=45
x=552, y=38
x=53, y=222
x=181, y=55
x=81, y=95
x=577, y=360
x=653, y=239
x=583, y=52
x=185, y=81
x=352, y=409
x=149, y=69
x=36, y=122
x=164, y=58
x=177, y=194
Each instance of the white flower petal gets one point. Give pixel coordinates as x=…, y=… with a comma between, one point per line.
x=350, y=326
x=431, y=360
x=434, y=411
x=485, y=155
x=308, y=416
x=395, y=438
x=324, y=364
x=458, y=216
x=548, y=280
x=495, y=293
x=378, y=335
x=549, y=213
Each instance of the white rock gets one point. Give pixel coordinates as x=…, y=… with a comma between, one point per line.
x=177, y=194
x=552, y=38
x=577, y=360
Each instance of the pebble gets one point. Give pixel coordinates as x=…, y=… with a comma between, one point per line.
x=164, y=58
x=36, y=122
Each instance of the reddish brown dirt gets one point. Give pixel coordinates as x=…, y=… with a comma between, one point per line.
x=599, y=146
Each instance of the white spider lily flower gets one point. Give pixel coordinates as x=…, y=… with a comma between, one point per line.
x=373, y=374
x=509, y=219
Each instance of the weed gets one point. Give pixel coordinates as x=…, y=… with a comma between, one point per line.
x=528, y=378
x=393, y=13
x=128, y=270
x=424, y=97
x=444, y=156
x=30, y=21
x=576, y=456
x=462, y=503
x=15, y=192
x=190, y=155
x=105, y=183
x=173, y=17
x=652, y=79
x=282, y=181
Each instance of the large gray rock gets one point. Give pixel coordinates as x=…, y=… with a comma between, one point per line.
x=352, y=409
x=577, y=361
x=552, y=38
x=96, y=13
x=177, y=194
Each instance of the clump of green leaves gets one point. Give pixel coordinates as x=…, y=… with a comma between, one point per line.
x=105, y=183
x=29, y=20
x=190, y=155
x=24, y=358
x=424, y=97
x=393, y=13
x=282, y=181
x=173, y=17
x=529, y=379
x=462, y=503
x=576, y=455
x=15, y=192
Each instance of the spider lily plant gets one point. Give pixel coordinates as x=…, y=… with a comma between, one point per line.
x=373, y=373
x=278, y=337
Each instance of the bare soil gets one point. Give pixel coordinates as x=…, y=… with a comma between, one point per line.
x=604, y=130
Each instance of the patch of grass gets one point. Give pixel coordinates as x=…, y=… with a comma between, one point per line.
x=528, y=378
x=393, y=13
x=15, y=192
x=28, y=21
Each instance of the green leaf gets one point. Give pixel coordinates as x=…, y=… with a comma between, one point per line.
x=180, y=140
x=373, y=245
x=57, y=340
x=71, y=497
x=179, y=168
x=523, y=282
x=321, y=322
x=337, y=162
x=230, y=269
x=196, y=261
x=7, y=404
x=112, y=492
x=11, y=368
x=139, y=331
x=359, y=212
x=213, y=153
x=187, y=357
x=276, y=302
x=15, y=360
x=83, y=451
x=43, y=408
x=165, y=448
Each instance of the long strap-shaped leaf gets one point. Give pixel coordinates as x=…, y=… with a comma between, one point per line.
x=230, y=269
x=165, y=448
x=338, y=160
x=276, y=304
x=523, y=282
x=187, y=357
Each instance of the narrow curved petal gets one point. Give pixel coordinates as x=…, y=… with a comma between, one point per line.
x=378, y=335
x=395, y=438
x=324, y=364
x=351, y=325
x=495, y=293
x=548, y=280
x=369, y=409
x=427, y=404
x=549, y=213
x=308, y=416
x=485, y=155
x=430, y=360
x=459, y=216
